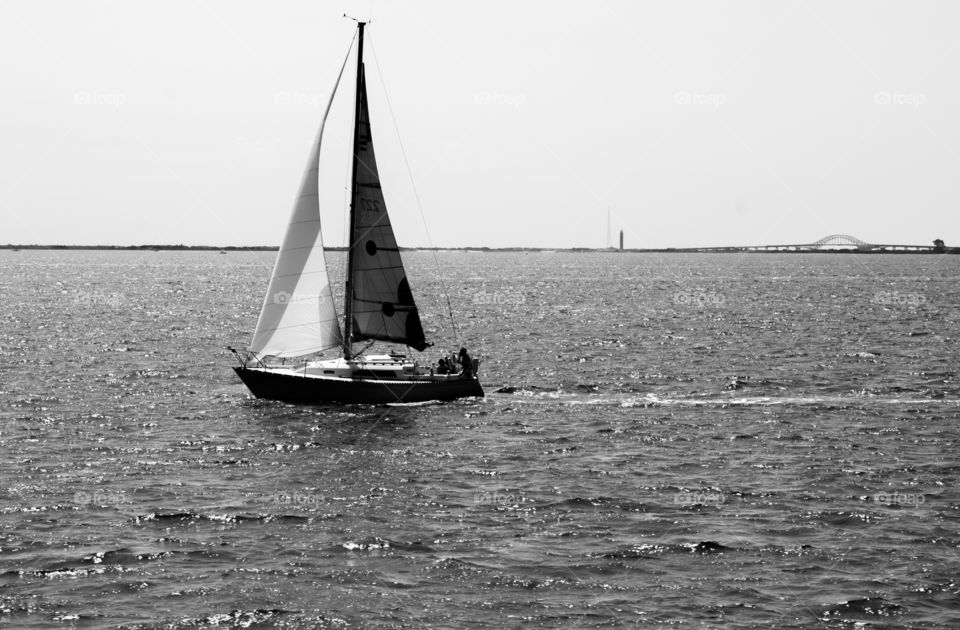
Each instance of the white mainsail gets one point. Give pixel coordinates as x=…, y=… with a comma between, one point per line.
x=298, y=315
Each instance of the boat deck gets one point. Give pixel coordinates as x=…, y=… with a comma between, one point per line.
x=374, y=368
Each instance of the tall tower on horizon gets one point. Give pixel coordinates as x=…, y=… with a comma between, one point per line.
x=621, y=240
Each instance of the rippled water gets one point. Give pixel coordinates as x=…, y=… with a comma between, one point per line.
x=698, y=440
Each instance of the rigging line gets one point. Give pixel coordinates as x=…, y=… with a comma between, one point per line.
x=347, y=192
x=416, y=195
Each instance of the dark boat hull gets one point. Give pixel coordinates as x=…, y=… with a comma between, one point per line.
x=292, y=388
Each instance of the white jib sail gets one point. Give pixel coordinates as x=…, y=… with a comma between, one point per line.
x=298, y=315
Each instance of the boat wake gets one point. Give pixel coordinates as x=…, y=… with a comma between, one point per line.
x=534, y=396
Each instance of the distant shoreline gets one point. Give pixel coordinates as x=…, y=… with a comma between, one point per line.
x=915, y=249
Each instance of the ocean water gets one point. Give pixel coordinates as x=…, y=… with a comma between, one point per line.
x=667, y=441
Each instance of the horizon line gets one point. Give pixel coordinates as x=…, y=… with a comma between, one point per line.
x=798, y=248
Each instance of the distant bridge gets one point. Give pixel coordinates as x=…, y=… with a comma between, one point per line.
x=831, y=243
x=840, y=239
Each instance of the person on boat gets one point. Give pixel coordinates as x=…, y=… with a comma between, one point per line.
x=466, y=362
x=442, y=366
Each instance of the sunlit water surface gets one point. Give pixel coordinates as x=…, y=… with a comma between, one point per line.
x=697, y=440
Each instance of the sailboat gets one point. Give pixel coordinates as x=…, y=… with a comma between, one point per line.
x=298, y=320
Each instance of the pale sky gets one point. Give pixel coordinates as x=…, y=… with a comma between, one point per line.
x=693, y=123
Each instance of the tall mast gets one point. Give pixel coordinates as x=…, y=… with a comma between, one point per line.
x=348, y=292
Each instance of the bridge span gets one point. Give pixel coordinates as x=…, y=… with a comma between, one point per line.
x=834, y=243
